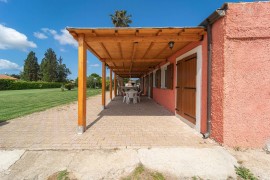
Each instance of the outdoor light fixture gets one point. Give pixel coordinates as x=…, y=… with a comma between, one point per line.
x=171, y=44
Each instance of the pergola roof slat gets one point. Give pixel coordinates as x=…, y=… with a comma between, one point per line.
x=128, y=49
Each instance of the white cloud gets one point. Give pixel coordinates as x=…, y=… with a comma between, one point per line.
x=62, y=50
x=12, y=39
x=47, y=30
x=64, y=38
x=5, y=1
x=8, y=65
x=94, y=65
x=40, y=35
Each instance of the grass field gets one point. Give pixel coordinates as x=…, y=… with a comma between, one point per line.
x=16, y=103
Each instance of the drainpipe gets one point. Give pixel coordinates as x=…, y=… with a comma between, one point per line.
x=208, y=24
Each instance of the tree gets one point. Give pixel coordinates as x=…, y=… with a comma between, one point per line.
x=62, y=71
x=16, y=76
x=120, y=18
x=94, y=81
x=31, y=68
x=49, y=66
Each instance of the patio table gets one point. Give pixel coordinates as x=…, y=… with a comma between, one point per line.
x=131, y=94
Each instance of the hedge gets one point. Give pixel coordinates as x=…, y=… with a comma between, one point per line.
x=7, y=84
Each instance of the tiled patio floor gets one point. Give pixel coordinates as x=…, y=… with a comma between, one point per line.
x=120, y=125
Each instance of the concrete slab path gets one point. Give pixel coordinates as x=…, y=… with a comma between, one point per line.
x=179, y=163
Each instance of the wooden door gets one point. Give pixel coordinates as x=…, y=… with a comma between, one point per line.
x=151, y=85
x=186, y=88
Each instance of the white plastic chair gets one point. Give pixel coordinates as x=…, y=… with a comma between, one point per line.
x=124, y=96
x=135, y=97
x=139, y=95
x=129, y=96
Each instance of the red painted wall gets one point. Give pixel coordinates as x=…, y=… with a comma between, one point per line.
x=166, y=97
x=218, y=34
x=241, y=76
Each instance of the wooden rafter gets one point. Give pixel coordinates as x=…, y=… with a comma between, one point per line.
x=180, y=32
x=105, y=49
x=134, y=60
x=120, y=50
x=137, y=32
x=138, y=72
x=159, y=32
x=160, y=52
x=93, y=51
x=133, y=54
x=94, y=33
x=127, y=70
x=148, y=49
x=107, y=52
x=163, y=38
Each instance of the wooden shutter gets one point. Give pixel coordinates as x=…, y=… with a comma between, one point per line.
x=169, y=77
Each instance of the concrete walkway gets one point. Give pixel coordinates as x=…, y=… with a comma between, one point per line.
x=116, y=141
x=177, y=163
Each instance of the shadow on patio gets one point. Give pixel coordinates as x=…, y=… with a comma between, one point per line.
x=146, y=107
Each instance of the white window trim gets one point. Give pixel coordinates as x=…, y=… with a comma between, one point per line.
x=163, y=68
x=154, y=78
x=198, y=51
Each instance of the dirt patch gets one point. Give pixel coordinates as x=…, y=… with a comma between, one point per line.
x=62, y=175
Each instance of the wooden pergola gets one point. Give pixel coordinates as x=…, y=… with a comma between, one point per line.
x=128, y=52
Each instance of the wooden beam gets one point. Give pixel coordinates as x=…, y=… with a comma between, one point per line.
x=163, y=38
x=111, y=84
x=162, y=50
x=82, y=60
x=127, y=70
x=93, y=51
x=120, y=49
x=93, y=32
x=137, y=32
x=133, y=54
x=103, y=85
x=105, y=49
x=115, y=85
x=134, y=60
x=148, y=49
x=159, y=32
x=139, y=72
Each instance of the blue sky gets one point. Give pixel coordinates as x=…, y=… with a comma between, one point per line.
x=37, y=25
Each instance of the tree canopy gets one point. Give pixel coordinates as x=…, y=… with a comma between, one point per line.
x=121, y=19
x=31, y=68
x=51, y=69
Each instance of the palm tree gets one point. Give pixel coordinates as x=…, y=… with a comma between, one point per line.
x=120, y=18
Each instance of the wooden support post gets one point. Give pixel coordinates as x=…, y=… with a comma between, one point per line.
x=110, y=84
x=103, y=85
x=82, y=59
x=115, y=86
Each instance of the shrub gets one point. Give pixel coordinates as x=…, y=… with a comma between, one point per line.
x=6, y=84
x=69, y=86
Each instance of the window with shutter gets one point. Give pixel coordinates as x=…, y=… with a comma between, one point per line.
x=158, y=78
x=169, y=77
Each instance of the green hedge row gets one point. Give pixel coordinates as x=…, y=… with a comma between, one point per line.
x=6, y=84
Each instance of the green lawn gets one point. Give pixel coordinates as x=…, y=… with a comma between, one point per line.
x=16, y=103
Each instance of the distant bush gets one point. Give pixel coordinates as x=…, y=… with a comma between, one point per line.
x=6, y=84
x=69, y=86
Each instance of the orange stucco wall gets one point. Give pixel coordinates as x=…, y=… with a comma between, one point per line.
x=241, y=76
x=166, y=97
